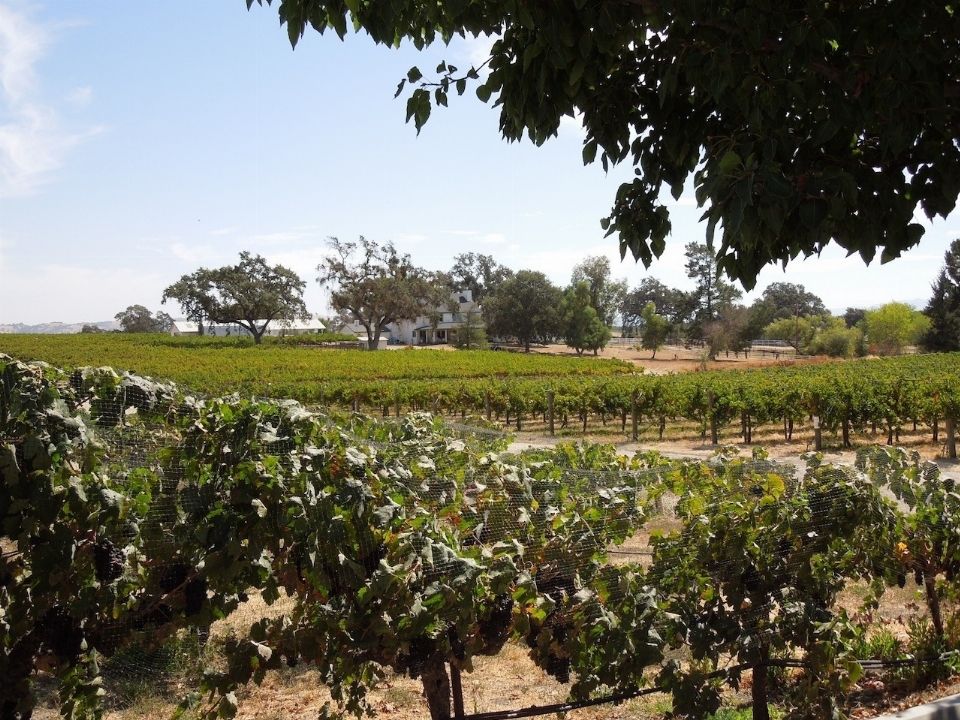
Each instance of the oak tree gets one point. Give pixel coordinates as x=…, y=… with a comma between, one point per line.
x=376, y=286
x=478, y=273
x=139, y=319
x=524, y=308
x=250, y=294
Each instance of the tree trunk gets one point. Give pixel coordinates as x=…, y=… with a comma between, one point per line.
x=933, y=602
x=758, y=691
x=436, y=688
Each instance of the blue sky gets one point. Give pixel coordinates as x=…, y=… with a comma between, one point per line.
x=141, y=140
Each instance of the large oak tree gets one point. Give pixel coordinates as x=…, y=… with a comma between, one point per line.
x=375, y=286
x=799, y=123
x=250, y=294
x=525, y=308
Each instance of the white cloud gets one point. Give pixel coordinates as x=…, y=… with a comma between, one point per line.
x=411, y=238
x=224, y=231
x=476, y=50
x=197, y=254
x=492, y=239
x=22, y=43
x=80, y=96
x=34, y=143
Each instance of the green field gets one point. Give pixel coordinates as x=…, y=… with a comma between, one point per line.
x=917, y=392
x=225, y=365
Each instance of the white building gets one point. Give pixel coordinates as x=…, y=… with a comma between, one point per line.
x=424, y=330
x=441, y=329
x=277, y=328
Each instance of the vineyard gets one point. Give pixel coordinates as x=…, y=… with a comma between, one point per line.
x=137, y=517
x=840, y=399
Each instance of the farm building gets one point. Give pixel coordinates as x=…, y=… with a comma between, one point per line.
x=277, y=328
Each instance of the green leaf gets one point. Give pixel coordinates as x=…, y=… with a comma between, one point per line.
x=812, y=213
x=589, y=151
x=729, y=162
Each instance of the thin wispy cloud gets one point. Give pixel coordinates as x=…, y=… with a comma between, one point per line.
x=197, y=254
x=411, y=238
x=493, y=239
x=224, y=231
x=34, y=142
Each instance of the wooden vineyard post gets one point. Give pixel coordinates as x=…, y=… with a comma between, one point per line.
x=714, y=439
x=550, y=411
x=817, y=430
x=634, y=418
x=456, y=686
x=396, y=403
x=486, y=403
x=951, y=437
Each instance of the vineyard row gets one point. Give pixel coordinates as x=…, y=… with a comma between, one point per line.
x=836, y=398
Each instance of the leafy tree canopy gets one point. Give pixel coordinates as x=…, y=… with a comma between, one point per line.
x=788, y=300
x=524, y=308
x=194, y=294
x=944, y=306
x=606, y=294
x=891, y=327
x=712, y=293
x=479, y=273
x=853, y=316
x=250, y=294
x=656, y=328
x=675, y=305
x=138, y=319
x=375, y=286
x=582, y=327
x=800, y=124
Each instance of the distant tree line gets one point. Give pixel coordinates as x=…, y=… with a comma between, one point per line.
x=373, y=285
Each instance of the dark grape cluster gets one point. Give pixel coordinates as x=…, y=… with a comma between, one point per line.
x=173, y=576
x=194, y=596
x=494, y=624
x=108, y=561
x=62, y=635
x=422, y=648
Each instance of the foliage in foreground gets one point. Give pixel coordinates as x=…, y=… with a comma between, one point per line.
x=409, y=547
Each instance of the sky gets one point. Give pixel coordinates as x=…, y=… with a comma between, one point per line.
x=141, y=141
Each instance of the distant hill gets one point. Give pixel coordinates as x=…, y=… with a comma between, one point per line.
x=57, y=328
